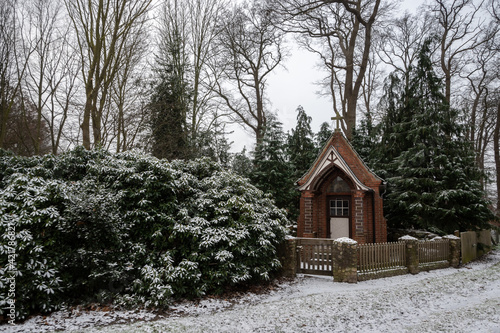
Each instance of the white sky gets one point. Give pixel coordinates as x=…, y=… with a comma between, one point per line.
x=288, y=88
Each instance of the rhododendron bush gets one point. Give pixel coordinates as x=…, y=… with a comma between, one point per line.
x=129, y=229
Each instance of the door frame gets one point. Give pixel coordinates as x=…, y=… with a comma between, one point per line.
x=342, y=196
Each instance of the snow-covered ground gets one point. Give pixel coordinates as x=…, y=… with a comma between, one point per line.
x=448, y=300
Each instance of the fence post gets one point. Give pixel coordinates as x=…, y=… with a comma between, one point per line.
x=289, y=262
x=411, y=253
x=454, y=250
x=345, y=260
x=483, y=242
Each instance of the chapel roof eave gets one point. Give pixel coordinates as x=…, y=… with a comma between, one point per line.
x=324, y=154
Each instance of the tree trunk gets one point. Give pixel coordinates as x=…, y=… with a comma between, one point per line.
x=85, y=125
x=496, y=144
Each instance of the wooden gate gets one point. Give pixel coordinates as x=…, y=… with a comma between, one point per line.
x=469, y=246
x=315, y=256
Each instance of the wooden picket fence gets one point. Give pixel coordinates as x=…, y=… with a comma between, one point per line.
x=381, y=259
x=432, y=253
x=314, y=256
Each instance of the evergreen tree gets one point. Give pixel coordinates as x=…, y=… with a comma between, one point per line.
x=300, y=147
x=213, y=143
x=434, y=182
x=271, y=168
x=379, y=144
x=364, y=140
x=242, y=164
x=325, y=131
x=169, y=104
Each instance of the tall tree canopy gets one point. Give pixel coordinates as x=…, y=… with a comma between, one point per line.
x=433, y=179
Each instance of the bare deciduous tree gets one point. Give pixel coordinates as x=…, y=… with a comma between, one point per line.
x=102, y=29
x=12, y=63
x=481, y=117
x=46, y=36
x=251, y=47
x=494, y=9
x=341, y=33
x=460, y=33
x=130, y=94
x=203, y=31
x=400, y=41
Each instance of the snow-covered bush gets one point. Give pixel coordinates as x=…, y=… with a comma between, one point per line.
x=27, y=226
x=90, y=225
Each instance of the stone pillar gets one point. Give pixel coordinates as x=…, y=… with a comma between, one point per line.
x=345, y=260
x=455, y=250
x=411, y=253
x=289, y=258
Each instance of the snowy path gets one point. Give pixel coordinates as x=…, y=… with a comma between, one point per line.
x=447, y=300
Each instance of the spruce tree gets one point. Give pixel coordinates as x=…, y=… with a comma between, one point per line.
x=324, y=133
x=364, y=140
x=241, y=163
x=300, y=146
x=434, y=182
x=271, y=168
x=169, y=103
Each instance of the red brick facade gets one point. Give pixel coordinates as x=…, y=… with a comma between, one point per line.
x=361, y=193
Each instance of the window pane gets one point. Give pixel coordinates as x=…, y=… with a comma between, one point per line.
x=338, y=185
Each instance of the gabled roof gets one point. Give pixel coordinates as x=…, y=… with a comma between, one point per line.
x=329, y=158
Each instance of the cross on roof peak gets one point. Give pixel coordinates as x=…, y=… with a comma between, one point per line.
x=338, y=118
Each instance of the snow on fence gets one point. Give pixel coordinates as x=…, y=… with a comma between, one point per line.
x=317, y=256
x=381, y=260
x=434, y=254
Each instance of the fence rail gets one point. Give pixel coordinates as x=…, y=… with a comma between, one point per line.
x=320, y=256
x=315, y=256
x=434, y=253
x=385, y=258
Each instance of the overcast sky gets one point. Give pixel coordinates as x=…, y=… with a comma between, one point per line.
x=292, y=86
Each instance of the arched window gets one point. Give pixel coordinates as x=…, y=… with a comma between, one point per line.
x=338, y=185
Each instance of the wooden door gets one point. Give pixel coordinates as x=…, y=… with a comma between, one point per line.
x=339, y=217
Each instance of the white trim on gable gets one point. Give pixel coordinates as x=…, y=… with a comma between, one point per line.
x=330, y=160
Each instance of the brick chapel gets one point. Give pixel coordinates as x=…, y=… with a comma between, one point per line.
x=341, y=196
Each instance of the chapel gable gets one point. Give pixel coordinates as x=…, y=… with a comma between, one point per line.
x=341, y=196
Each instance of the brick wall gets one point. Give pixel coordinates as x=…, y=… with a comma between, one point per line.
x=313, y=220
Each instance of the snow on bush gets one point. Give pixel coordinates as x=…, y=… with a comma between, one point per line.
x=129, y=228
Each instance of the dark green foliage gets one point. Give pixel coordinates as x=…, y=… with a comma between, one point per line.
x=302, y=153
x=132, y=229
x=364, y=141
x=323, y=135
x=301, y=148
x=271, y=168
x=281, y=160
x=433, y=182
x=242, y=164
x=169, y=103
x=213, y=144
x=168, y=122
